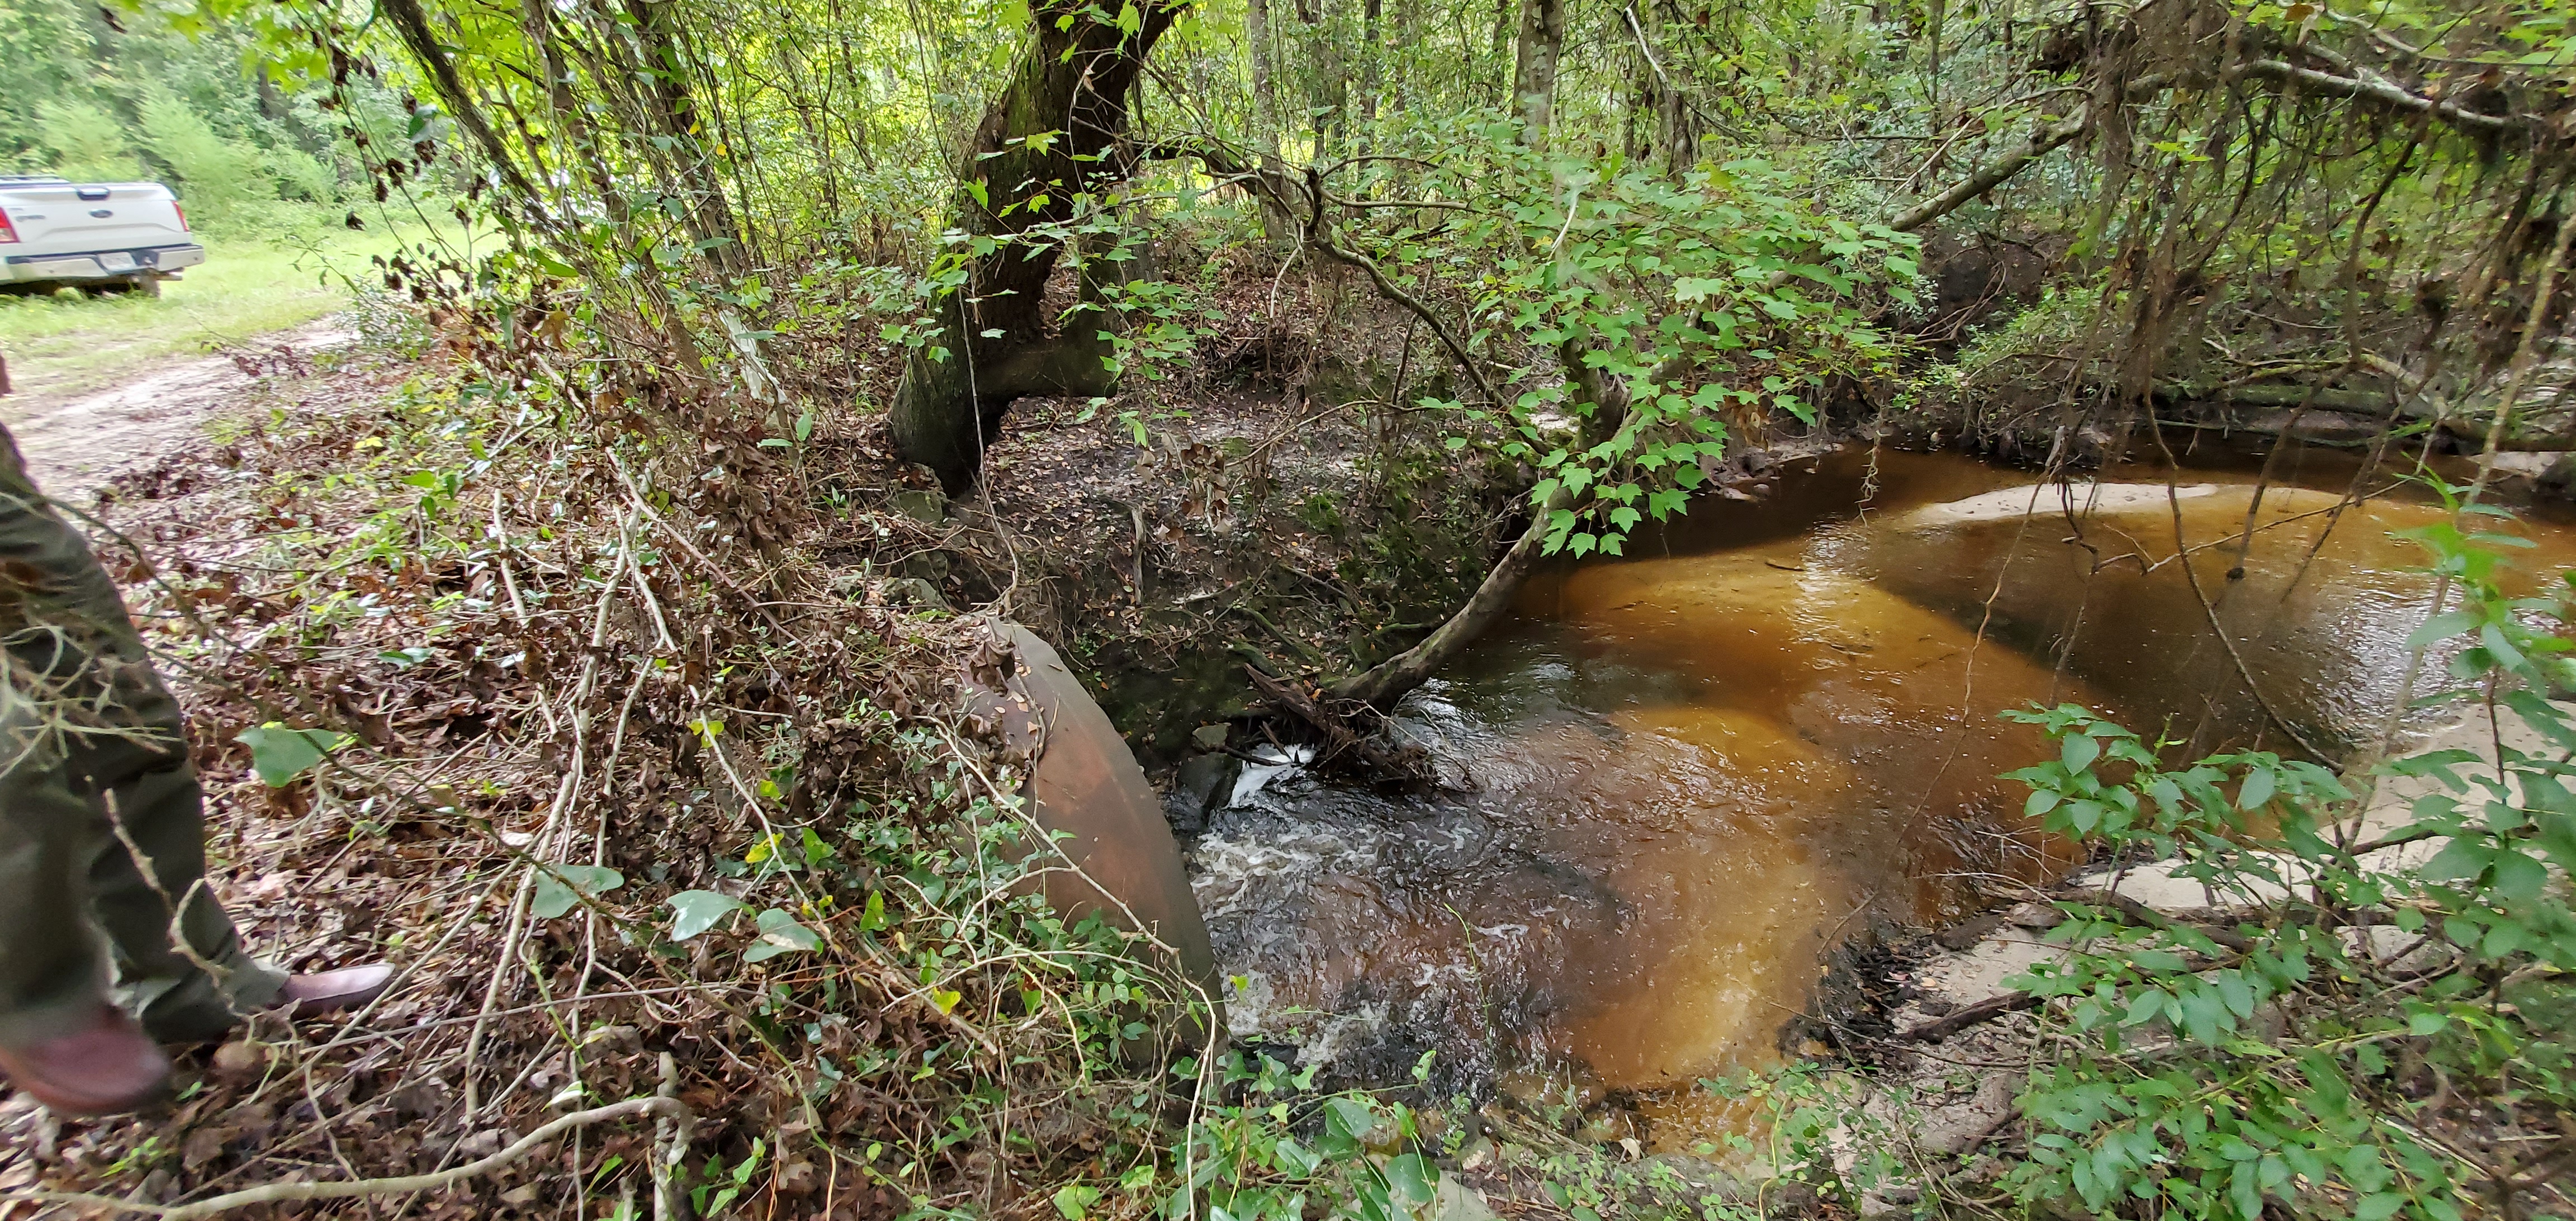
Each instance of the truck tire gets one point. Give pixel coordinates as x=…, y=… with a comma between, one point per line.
x=147, y=285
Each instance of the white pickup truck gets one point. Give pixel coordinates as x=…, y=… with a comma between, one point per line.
x=95, y=236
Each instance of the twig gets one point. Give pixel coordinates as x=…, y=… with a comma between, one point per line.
x=2384, y=94
x=1985, y=1010
x=2141, y=914
x=677, y=1121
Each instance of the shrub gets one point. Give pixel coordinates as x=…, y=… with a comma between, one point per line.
x=222, y=179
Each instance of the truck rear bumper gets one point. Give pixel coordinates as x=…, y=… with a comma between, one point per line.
x=100, y=264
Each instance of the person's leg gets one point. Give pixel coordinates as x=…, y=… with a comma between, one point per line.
x=49, y=961
x=182, y=994
x=60, y=1040
x=72, y=647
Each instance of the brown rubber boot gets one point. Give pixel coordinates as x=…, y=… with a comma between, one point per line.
x=107, y=1069
x=334, y=991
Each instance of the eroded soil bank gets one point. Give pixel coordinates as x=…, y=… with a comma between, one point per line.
x=1681, y=779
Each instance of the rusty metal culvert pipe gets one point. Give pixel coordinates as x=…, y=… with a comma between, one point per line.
x=1088, y=790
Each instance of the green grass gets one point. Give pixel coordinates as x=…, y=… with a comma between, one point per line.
x=251, y=285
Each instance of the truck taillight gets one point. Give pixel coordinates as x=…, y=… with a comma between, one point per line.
x=183, y=216
x=7, y=234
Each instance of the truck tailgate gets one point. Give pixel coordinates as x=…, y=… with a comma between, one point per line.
x=68, y=219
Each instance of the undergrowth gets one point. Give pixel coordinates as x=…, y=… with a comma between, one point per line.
x=661, y=817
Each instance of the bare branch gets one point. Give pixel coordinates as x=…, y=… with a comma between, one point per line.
x=2382, y=93
x=276, y=1193
x=2038, y=145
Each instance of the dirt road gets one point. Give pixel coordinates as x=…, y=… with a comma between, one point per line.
x=75, y=443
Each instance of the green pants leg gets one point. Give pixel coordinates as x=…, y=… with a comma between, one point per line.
x=86, y=729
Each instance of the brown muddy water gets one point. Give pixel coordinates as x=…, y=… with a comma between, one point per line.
x=1684, y=777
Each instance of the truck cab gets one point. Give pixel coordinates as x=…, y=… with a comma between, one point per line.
x=96, y=236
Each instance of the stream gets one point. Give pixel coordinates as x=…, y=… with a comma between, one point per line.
x=1683, y=777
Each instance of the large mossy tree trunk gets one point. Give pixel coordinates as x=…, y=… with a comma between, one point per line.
x=1055, y=134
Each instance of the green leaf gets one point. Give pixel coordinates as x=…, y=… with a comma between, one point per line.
x=552, y=898
x=696, y=911
x=781, y=934
x=2442, y=627
x=280, y=754
x=2426, y=1022
x=2460, y=858
x=2079, y=751
x=1410, y=1180
x=1346, y=1121
x=2245, y=1190
x=2257, y=790
x=1075, y=1199
x=2378, y=1207
x=2518, y=878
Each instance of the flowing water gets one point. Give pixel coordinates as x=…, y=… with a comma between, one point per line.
x=1684, y=777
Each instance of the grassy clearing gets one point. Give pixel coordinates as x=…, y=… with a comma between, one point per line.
x=252, y=284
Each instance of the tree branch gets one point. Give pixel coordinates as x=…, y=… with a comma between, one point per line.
x=2381, y=93
x=2040, y=142
x=413, y=26
x=275, y=1193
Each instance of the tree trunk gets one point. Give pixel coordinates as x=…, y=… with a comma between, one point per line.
x=1265, y=96
x=1676, y=128
x=1371, y=77
x=1541, y=43
x=711, y=213
x=1387, y=682
x=1277, y=226
x=1072, y=82
x=1329, y=84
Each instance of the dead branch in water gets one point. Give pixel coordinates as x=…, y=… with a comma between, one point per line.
x=1340, y=737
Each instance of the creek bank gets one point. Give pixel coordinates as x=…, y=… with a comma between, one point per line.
x=1954, y=1036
